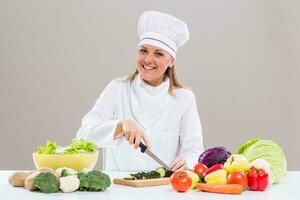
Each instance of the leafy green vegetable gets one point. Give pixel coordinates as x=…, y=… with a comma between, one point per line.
x=79, y=146
x=93, y=181
x=242, y=148
x=50, y=148
x=269, y=151
x=46, y=182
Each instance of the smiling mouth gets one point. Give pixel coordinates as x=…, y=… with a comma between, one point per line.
x=148, y=68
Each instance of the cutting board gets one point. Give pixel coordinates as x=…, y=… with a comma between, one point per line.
x=142, y=183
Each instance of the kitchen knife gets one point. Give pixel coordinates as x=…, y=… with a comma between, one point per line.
x=144, y=149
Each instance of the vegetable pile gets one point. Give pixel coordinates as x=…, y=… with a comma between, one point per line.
x=270, y=152
x=257, y=165
x=65, y=179
x=77, y=146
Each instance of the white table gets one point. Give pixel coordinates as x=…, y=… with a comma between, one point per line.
x=288, y=189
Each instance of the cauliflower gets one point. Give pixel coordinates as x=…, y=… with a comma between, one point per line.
x=69, y=183
x=65, y=171
x=260, y=163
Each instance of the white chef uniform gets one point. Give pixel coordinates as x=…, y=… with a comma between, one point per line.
x=171, y=123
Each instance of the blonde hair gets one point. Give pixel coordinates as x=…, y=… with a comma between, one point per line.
x=170, y=73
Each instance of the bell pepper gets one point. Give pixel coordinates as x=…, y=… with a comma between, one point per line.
x=213, y=168
x=257, y=179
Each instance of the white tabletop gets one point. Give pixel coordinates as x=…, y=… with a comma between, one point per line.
x=289, y=188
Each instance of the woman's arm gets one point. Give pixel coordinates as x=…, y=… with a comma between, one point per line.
x=191, y=140
x=98, y=124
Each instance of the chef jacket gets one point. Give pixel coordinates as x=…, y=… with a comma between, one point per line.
x=171, y=124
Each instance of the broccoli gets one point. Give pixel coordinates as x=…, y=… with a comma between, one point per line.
x=46, y=182
x=93, y=181
x=84, y=182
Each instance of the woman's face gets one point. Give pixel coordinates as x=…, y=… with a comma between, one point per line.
x=152, y=62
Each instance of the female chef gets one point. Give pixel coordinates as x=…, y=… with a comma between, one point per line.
x=148, y=106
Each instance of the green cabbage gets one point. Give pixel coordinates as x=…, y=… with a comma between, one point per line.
x=269, y=151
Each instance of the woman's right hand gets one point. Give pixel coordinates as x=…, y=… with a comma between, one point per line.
x=133, y=133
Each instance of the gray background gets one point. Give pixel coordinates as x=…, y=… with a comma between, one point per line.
x=56, y=56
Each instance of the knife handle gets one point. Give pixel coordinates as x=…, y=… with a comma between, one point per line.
x=143, y=147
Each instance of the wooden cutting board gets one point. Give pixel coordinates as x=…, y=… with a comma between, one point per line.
x=142, y=183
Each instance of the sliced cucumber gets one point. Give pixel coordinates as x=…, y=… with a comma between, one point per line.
x=168, y=173
x=161, y=171
x=130, y=177
x=154, y=174
x=143, y=175
x=164, y=172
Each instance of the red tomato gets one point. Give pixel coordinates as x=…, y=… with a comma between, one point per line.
x=200, y=169
x=181, y=181
x=238, y=178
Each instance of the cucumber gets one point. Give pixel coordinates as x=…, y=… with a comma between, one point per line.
x=143, y=175
x=155, y=174
x=164, y=172
x=130, y=177
x=168, y=173
x=161, y=171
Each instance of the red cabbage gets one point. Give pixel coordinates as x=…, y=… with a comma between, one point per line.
x=214, y=155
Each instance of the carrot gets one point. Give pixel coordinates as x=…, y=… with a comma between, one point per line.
x=224, y=189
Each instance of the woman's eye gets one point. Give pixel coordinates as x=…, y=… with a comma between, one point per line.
x=159, y=54
x=143, y=50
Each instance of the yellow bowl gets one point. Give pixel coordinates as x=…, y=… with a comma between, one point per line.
x=75, y=161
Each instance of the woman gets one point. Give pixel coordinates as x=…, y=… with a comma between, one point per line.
x=148, y=106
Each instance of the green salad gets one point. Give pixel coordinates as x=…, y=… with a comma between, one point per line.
x=77, y=146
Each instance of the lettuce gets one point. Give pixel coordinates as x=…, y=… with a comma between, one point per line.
x=50, y=148
x=77, y=146
x=80, y=146
x=269, y=151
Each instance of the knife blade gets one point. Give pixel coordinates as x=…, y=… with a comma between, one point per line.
x=144, y=149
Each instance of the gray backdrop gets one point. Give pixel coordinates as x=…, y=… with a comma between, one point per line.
x=56, y=56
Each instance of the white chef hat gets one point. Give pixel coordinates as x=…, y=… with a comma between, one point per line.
x=162, y=30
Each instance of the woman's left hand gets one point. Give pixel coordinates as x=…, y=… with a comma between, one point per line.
x=178, y=163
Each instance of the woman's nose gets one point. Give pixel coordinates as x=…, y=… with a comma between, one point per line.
x=148, y=58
